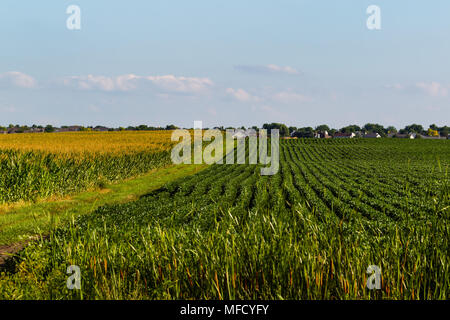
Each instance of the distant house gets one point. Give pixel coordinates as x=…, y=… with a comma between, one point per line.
x=432, y=138
x=403, y=136
x=322, y=135
x=341, y=135
x=251, y=133
x=13, y=130
x=70, y=129
x=100, y=128
x=3, y=132
x=239, y=134
x=372, y=135
x=34, y=130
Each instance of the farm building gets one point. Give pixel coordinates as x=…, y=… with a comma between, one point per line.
x=101, y=128
x=372, y=135
x=403, y=136
x=34, y=130
x=322, y=135
x=431, y=138
x=70, y=129
x=341, y=135
x=240, y=134
x=13, y=130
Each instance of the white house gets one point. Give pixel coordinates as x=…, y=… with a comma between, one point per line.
x=321, y=135
x=239, y=134
x=372, y=135
x=341, y=135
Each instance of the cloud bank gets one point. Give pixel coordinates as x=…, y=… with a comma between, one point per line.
x=284, y=97
x=131, y=82
x=242, y=95
x=432, y=89
x=17, y=79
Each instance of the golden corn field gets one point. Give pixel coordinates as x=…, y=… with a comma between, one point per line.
x=36, y=166
x=91, y=142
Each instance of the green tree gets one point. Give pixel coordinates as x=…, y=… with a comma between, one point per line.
x=350, y=129
x=434, y=127
x=415, y=128
x=323, y=127
x=49, y=128
x=375, y=127
x=306, y=132
x=391, y=129
x=444, y=131
x=284, y=130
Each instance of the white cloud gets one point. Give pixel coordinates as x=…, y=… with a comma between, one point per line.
x=17, y=79
x=268, y=69
x=90, y=82
x=287, y=69
x=284, y=97
x=242, y=95
x=129, y=82
x=433, y=89
x=181, y=84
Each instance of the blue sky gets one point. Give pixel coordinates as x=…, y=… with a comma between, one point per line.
x=225, y=62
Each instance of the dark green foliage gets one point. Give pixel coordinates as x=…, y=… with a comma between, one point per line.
x=31, y=175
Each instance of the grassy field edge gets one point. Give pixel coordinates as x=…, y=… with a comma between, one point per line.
x=22, y=223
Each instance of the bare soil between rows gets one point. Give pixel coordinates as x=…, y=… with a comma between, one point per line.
x=8, y=251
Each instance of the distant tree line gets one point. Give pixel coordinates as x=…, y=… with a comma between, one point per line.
x=300, y=132
x=49, y=128
x=308, y=132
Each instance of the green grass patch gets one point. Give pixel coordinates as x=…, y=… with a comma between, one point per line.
x=28, y=220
